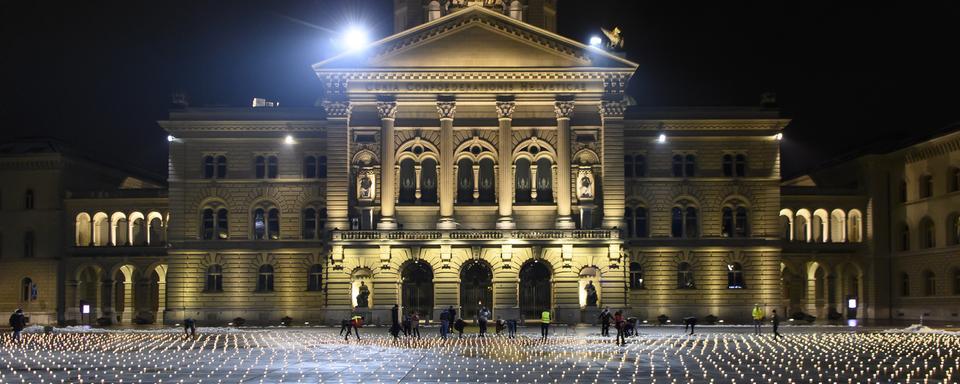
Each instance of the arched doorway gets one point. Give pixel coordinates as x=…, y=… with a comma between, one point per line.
x=417, y=288
x=535, y=289
x=476, y=287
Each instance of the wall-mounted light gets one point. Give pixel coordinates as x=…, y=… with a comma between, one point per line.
x=171, y=138
x=662, y=138
x=778, y=136
x=289, y=140
x=595, y=40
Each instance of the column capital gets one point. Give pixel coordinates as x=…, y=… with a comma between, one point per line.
x=337, y=108
x=612, y=108
x=505, y=109
x=563, y=109
x=446, y=109
x=387, y=109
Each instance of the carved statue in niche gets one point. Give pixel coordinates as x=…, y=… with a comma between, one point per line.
x=586, y=188
x=365, y=190
x=363, y=296
x=591, y=294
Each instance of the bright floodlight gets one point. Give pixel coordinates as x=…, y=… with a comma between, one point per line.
x=288, y=140
x=595, y=40
x=778, y=136
x=355, y=38
x=662, y=138
x=171, y=138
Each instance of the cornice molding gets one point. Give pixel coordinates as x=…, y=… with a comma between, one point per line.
x=927, y=151
x=243, y=126
x=706, y=125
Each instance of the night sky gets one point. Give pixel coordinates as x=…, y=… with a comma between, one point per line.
x=99, y=74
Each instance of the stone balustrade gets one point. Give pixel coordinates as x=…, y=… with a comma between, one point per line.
x=485, y=235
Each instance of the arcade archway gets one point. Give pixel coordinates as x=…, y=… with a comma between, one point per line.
x=535, y=289
x=476, y=288
x=417, y=288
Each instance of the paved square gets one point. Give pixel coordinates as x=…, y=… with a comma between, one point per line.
x=571, y=355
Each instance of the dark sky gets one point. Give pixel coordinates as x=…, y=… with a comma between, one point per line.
x=99, y=74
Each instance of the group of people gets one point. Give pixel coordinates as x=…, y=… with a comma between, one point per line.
x=758, y=317
x=619, y=322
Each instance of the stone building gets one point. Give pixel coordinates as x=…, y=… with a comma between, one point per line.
x=476, y=158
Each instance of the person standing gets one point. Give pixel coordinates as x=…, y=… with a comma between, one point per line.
x=512, y=328
x=544, y=324
x=415, y=320
x=605, y=317
x=444, y=323
x=621, y=325
x=18, y=322
x=757, y=318
x=190, y=327
x=395, y=322
x=482, y=320
x=407, y=325
x=776, y=324
x=356, y=322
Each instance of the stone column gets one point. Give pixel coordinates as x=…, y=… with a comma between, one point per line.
x=611, y=115
x=338, y=163
x=505, y=194
x=388, y=113
x=446, y=110
x=564, y=110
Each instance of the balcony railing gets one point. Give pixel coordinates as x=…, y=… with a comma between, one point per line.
x=486, y=235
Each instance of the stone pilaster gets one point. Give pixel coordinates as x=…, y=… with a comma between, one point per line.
x=338, y=163
x=388, y=113
x=611, y=114
x=446, y=111
x=505, y=194
x=564, y=111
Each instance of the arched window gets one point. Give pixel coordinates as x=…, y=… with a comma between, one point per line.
x=929, y=283
x=735, y=222
x=321, y=167
x=265, y=278
x=928, y=237
x=26, y=290
x=821, y=221
x=83, y=229
x=740, y=165
x=260, y=167
x=628, y=217
x=309, y=167
x=408, y=182
x=628, y=166
x=309, y=223
x=214, y=224
x=786, y=225
x=428, y=181
x=684, y=221
x=640, y=166
x=487, y=182
x=735, y=276
x=904, y=284
x=855, y=226
x=266, y=224
x=954, y=229
x=315, y=278
x=685, y=276
x=214, y=278
x=272, y=167
x=28, y=199
x=728, y=165
x=926, y=186
x=522, y=184
x=464, y=181
x=636, y=276
x=29, y=243
x=838, y=226
x=904, y=237
x=221, y=167
x=641, y=226
x=544, y=180
x=208, y=167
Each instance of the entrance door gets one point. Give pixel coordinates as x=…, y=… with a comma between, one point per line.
x=476, y=288
x=534, y=289
x=417, y=289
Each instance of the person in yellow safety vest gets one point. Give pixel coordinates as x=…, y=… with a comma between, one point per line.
x=544, y=324
x=356, y=321
x=757, y=318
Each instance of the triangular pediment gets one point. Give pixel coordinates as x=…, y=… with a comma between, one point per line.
x=476, y=38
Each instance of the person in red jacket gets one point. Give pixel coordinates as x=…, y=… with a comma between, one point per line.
x=620, y=323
